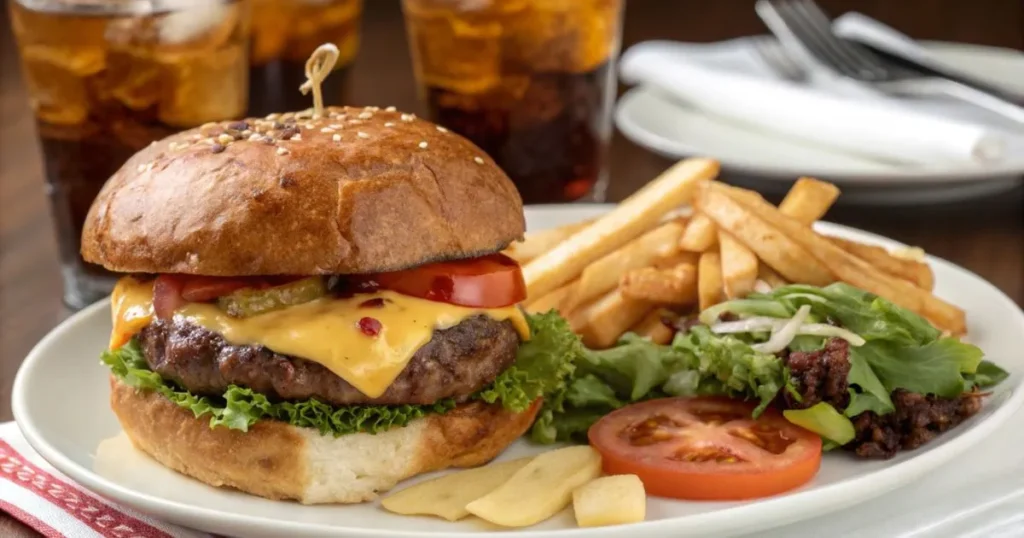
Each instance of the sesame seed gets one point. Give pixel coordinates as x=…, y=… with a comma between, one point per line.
x=296, y=137
x=273, y=117
x=366, y=115
x=225, y=138
x=334, y=126
x=207, y=126
x=246, y=133
x=210, y=141
x=442, y=129
x=423, y=145
x=336, y=138
x=373, y=108
x=310, y=125
x=217, y=148
x=254, y=137
x=282, y=151
x=389, y=124
x=361, y=134
x=326, y=130
x=407, y=117
x=355, y=122
x=390, y=109
x=478, y=160
x=196, y=137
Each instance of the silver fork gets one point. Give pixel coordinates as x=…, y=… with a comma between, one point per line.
x=804, y=24
x=774, y=56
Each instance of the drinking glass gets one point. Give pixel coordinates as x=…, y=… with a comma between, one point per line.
x=284, y=34
x=532, y=82
x=108, y=77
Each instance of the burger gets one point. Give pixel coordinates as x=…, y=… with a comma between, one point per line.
x=315, y=307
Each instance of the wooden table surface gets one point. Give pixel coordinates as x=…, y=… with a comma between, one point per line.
x=985, y=236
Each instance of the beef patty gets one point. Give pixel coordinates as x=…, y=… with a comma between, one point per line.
x=455, y=363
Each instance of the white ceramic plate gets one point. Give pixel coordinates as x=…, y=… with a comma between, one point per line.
x=674, y=130
x=60, y=402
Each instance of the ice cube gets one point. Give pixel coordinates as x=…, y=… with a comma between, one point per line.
x=56, y=77
x=204, y=25
x=133, y=78
x=204, y=87
x=563, y=36
x=458, y=54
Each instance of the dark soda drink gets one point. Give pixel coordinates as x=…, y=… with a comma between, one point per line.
x=107, y=78
x=284, y=34
x=531, y=82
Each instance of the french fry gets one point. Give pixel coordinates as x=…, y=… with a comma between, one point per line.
x=857, y=272
x=653, y=326
x=604, y=320
x=676, y=285
x=914, y=271
x=739, y=266
x=537, y=243
x=636, y=214
x=808, y=200
x=771, y=245
x=699, y=235
x=601, y=276
x=769, y=276
x=555, y=299
x=677, y=259
x=709, y=280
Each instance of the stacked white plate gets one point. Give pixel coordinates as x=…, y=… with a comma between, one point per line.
x=675, y=130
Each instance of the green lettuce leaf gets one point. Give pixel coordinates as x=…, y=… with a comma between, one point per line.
x=873, y=396
x=986, y=376
x=542, y=364
x=697, y=363
x=934, y=368
x=824, y=420
x=541, y=368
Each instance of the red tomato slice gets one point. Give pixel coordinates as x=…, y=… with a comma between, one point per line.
x=706, y=449
x=491, y=281
x=199, y=289
x=167, y=295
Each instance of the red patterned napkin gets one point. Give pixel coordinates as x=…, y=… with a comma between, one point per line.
x=39, y=496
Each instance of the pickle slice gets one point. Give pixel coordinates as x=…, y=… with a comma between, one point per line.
x=246, y=303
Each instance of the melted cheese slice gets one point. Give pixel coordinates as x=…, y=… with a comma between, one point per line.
x=325, y=331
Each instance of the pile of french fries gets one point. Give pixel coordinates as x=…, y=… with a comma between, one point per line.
x=686, y=242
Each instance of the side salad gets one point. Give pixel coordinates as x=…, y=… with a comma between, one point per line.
x=863, y=373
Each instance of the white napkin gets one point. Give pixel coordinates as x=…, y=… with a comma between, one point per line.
x=827, y=111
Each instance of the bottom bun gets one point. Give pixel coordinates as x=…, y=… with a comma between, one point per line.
x=279, y=461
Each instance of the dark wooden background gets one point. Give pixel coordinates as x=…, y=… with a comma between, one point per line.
x=985, y=236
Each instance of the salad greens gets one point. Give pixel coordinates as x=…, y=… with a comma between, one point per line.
x=896, y=349
x=541, y=368
x=696, y=363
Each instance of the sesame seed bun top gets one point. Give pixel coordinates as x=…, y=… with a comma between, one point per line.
x=356, y=190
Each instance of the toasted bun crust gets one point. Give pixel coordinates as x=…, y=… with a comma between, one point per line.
x=391, y=192
x=279, y=461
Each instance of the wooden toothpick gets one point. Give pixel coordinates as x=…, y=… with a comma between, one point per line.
x=318, y=67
